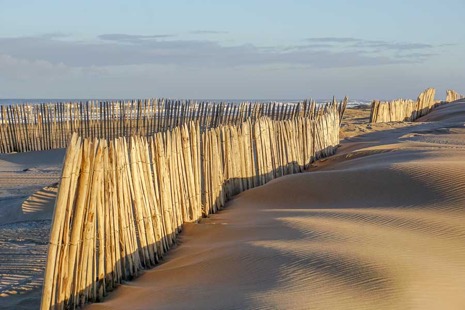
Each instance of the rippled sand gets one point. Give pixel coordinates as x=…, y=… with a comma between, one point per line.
x=378, y=226
x=27, y=196
x=381, y=225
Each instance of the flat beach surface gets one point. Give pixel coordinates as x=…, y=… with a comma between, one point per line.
x=378, y=226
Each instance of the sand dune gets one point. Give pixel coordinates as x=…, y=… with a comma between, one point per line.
x=378, y=226
x=26, y=209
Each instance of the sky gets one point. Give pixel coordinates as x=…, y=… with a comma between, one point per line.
x=231, y=49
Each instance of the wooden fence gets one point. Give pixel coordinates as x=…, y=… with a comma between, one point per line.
x=121, y=202
x=403, y=110
x=452, y=95
x=48, y=126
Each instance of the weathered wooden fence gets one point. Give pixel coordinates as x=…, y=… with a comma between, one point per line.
x=121, y=202
x=48, y=126
x=403, y=110
x=452, y=95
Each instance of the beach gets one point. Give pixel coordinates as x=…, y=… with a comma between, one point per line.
x=170, y=158
x=379, y=225
x=28, y=186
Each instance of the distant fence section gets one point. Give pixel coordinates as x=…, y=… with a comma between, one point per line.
x=38, y=127
x=409, y=110
x=121, y=202
x=452, y=95
x=396, y=110
x=403, y=110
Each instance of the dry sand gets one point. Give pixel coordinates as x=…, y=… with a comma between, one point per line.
x=27, y=196
x=378, y=226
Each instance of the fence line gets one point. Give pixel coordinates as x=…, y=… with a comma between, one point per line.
x=48, y=126
x=452, y=95
x=403, y=110
x=121, y=202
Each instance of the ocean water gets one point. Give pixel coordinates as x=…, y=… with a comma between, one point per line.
x=351, y=103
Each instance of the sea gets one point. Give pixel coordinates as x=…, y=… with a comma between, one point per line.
x=350, y=103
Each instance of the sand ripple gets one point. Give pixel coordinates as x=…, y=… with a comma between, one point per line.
x=380, y=226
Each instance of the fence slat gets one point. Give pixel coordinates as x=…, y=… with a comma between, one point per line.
x=121, y=205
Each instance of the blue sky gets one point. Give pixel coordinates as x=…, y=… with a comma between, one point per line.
x=230, y=49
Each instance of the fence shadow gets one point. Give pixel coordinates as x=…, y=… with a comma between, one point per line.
x=101, y=286
x=122, y=203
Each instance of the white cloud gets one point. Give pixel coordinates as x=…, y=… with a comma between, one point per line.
x=122, y=66
x=23, y=69
x=124, y=49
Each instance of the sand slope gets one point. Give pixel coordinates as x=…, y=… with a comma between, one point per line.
x=378, y=226
x=26, y=209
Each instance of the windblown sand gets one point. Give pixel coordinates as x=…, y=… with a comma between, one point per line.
x=378, y=226
x=27, y=196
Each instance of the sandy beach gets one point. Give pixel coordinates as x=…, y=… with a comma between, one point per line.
x=162, y=155
x=28, y=186
x=377, y=226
